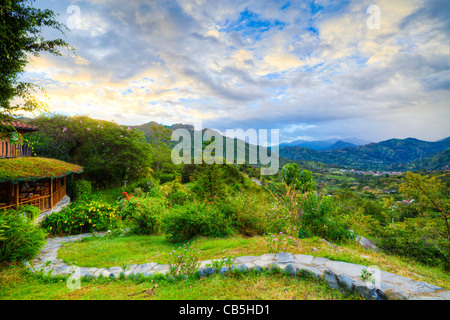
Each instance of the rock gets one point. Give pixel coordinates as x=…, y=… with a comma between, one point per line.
x=284, y=257
x=209, y=271
x=291, y=269
x=331, y=278
x=319, y=261
x=145, y=267
x=257, y=268
x=245, y=259
x=392, y=294
x=349, y=269
x=267, y=257
x=445, y=295
x=312, y=271
x=303, y=259
x=345, y=281
x=224, y=270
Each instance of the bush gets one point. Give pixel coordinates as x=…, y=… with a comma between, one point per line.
x=145, y=185
x=144, y=213
x=20, y=239
x=415, y=239
x=79, y=189
x=318, y=219
x=166, y=177
x=184, y=222
x=81, y=217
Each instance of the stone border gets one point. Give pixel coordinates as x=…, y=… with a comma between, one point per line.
x=339, y=275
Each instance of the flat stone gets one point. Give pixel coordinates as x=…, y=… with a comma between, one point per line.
x=204, y=263
x=262, y=263
x=303, y=259
x=144, y=267
x=114, y=272
x=284, y=257
x=349, y=269
x=161, y=268
x=105, y=273
x=245, y=259
x=98, y=272
x=420, y=286
x=319, y=261
x=267, y=257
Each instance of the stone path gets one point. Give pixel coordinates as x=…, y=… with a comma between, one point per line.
x=387, y=286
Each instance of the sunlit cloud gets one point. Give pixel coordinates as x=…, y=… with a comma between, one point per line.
x=312, y=69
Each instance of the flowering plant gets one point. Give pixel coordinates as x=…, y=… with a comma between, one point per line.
x=184, y=261
x=278, y=242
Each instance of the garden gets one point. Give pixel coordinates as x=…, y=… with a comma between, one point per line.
x=219, y=215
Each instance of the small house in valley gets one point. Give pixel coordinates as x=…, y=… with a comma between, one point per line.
x=27, y=180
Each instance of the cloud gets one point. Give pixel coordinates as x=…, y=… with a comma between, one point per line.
x=308, y=68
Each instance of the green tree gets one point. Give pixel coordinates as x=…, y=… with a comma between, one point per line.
x=430, y=193
x=109, y=153
x=296, y=180
x=20, y=37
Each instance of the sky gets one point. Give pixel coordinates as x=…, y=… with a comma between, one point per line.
x=372, y=70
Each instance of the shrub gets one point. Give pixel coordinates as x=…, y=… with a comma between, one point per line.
x=166, y=177
x=184, y=222
x=79, y=189
x=145, y=213
x=318, y=219
x=249, y=213
x=184, y=261
x=415, y=239
x=20, y=239
x=146, y=185
x=176, y=193
x=81, y=217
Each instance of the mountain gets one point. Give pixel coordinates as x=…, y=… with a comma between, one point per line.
x=374, y=156
x=341, y=144
x=323, y=145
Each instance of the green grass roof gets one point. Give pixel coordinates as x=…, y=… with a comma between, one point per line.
x=31, y=169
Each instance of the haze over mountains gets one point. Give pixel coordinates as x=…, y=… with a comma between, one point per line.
x=392, y=154
x=322, y=145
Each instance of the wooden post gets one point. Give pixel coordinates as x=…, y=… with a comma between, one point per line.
x=51, y=193
x=16, y=194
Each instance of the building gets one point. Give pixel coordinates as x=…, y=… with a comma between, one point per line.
x=27, y=180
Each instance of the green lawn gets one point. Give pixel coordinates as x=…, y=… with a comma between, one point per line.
x=120, y=251
x=17, y=284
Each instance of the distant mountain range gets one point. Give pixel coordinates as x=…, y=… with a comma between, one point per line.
x=392, y=155
x=324, y=145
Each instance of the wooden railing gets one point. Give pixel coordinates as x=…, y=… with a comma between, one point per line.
x=59, y=194
x=44, y=203
x=14, y=150
x=41, y=202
